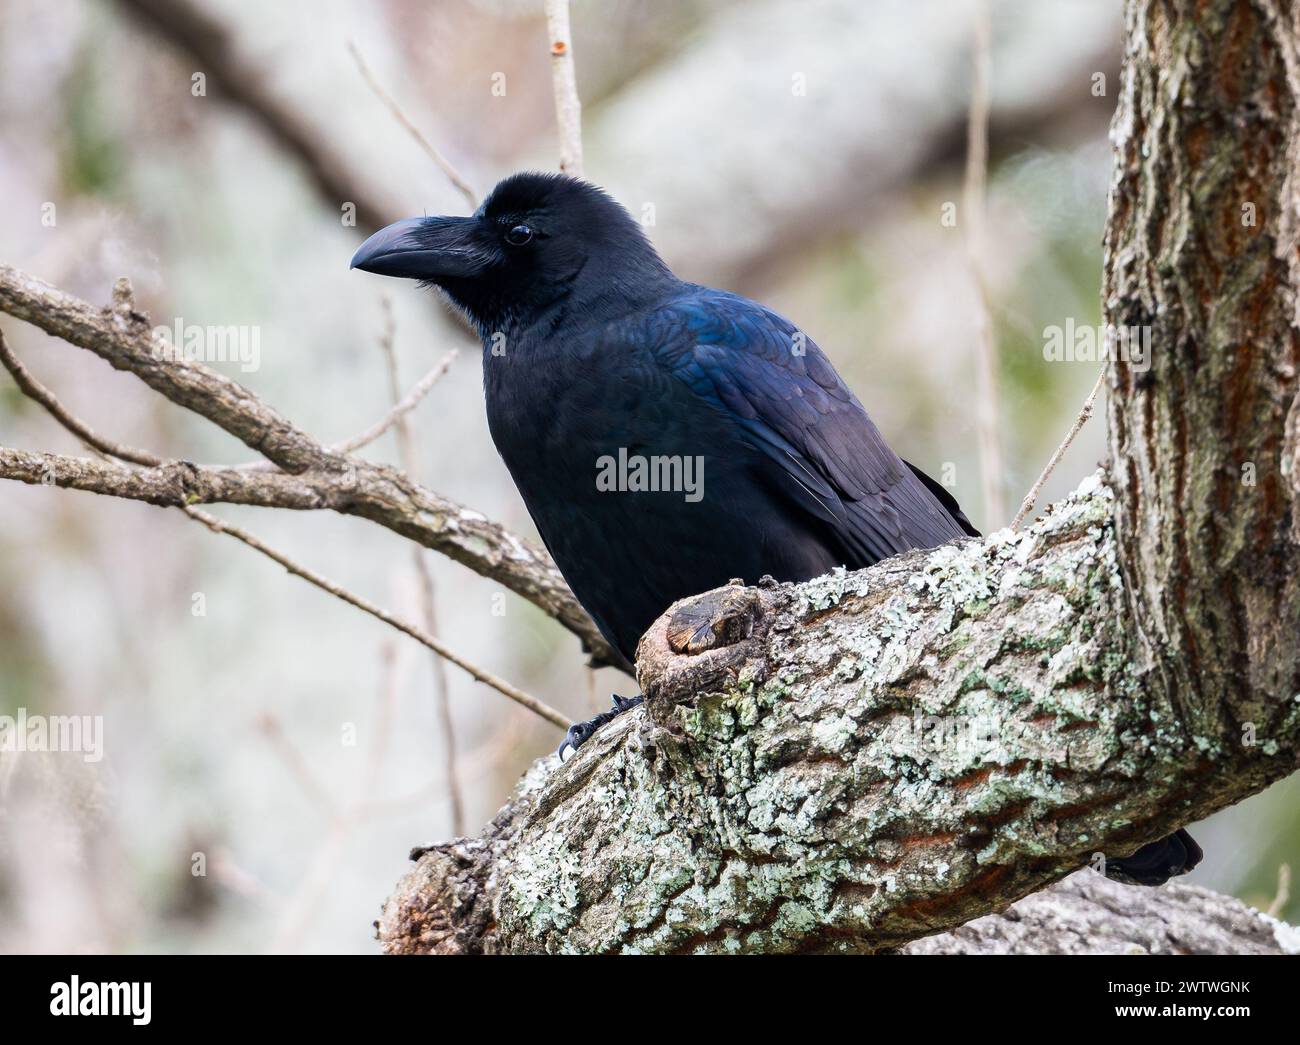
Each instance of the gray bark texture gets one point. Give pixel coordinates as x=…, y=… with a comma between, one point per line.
x=870, y=758
x=1089, y=914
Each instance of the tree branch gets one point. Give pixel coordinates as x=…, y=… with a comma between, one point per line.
x=564, y=85
x=861, y=760
x=407, y=124
x=314, y=476
x=1081, y=419
x=172, y=484
x=988, y=400
x=47, y=475
x=1089, y=914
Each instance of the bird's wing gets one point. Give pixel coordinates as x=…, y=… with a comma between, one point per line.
x=824, y=450
x=946, y=499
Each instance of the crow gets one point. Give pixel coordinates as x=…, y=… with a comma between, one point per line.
x=666, y=437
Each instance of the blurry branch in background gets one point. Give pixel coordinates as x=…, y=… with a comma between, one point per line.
x=152, y=485
x=237, y=78
x=424, y=577
x=477, y=673
x=442, y=162
x=1283, y=895
x=899, y=133
x=568, y=120
x=345, y=819
x=476, y=763
x=395, y=414
x=268, y=724
x=568, y=107
x=855, y=163
x=402, y=405
x=1026, y=506
x=974, y=191
x=233, y=876
x=312, y=477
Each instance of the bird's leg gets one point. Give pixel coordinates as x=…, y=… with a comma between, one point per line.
x=581, y=732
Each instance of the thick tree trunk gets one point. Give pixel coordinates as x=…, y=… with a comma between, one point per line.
x=1201, y=248
x=870, y=758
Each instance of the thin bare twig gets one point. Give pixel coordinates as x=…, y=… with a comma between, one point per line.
x=1086, y=412
x=443, y=163
x=37, y=392
x=428, y=602
x=564, y=84
x=475, y=764
x=311, y=577
x=25, y=467
x=399, y=410
x=988, y=407
x=390, y=685
x=296, y=913
x=227, y=870
x=323, y=867
x=402, y=407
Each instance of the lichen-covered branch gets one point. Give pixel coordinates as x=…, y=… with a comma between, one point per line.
x=312, y=475
x=856, y=762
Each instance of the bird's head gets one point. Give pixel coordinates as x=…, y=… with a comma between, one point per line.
x=538, y=242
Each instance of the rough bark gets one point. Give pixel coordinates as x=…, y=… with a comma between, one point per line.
x=856, y=762
x=1203, y=441
x=859, y=761
x=1089, y=914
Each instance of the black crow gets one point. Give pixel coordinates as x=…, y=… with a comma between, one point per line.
x=665, y=436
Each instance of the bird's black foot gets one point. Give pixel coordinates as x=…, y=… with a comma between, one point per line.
x=580, y=733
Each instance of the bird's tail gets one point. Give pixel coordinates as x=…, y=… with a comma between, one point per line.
x=1156, y=863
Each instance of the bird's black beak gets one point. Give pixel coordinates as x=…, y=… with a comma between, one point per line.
x=425, y=248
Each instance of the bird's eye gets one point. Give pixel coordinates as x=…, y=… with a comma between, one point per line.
x=519, y=235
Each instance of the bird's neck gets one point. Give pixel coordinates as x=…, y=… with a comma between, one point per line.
x=575, y=304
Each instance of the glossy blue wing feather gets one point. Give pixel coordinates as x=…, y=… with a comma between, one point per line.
x=780, y=388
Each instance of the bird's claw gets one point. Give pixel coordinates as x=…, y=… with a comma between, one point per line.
x=580, y=732
x=577, y=735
